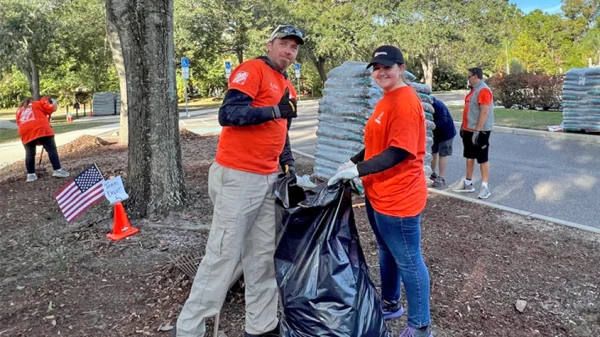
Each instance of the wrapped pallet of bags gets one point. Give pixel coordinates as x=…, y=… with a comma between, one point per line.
x=424, y=92
x=348, y=101
x=103, y=103
x=581, y=100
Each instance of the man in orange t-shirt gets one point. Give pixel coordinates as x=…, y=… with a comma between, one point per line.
x=34, y=129
x=256, y=115
x=477, y=125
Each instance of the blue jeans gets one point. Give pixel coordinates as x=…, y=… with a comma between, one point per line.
x=400, y=260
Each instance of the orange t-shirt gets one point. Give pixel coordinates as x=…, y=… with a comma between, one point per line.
x=398, y=121
x=485, y=97
x=255, y=148
x=32, y=121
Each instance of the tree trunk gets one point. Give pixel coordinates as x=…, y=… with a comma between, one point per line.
x=240, y=54
x=145, y=29
x=32, y=72
x=319, y=63
x=427, y=65
x=117, y=55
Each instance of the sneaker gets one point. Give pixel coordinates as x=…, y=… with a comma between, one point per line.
x=391, y=310
x=31, y=177
x=412, y=332
x=60, y=173
x=439, y=182
x=484, y=193
x=464, y=188
x=433, y=176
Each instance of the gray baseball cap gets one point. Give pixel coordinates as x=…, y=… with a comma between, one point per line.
x=285, y=31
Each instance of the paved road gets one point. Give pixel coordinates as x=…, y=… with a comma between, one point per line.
x=551, y=177
x=456, y=97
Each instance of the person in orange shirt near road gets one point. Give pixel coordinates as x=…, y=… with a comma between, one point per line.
x=391, y=167
x=477, y=125
x=34, y=129
x=254, y=144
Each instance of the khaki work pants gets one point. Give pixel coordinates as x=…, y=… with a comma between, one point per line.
x=243, y=229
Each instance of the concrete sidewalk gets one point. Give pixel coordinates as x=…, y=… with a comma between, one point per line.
x=14, y=151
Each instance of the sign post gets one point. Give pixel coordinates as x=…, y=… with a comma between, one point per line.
x=185, y=73
x=297, y=71
x=227, y=69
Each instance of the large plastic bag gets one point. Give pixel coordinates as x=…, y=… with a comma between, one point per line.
x=321, y=271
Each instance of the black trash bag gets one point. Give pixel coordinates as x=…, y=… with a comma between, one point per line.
x=321, y=271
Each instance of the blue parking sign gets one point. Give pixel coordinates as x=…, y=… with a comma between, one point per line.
x=185, y=62
x=227, y=65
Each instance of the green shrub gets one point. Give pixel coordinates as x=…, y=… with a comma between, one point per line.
x=526, y=90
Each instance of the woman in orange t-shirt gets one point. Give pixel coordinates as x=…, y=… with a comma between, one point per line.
x=391, y=167
x=34, y=129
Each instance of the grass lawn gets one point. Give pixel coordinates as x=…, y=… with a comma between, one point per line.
x=9, y=112
x=514, y=118
x=201, y=102
x=9, y=135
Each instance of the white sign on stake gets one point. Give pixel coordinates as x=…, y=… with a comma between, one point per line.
x=114, y=190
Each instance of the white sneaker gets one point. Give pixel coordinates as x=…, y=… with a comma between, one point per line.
x=31, y=177
x=464, y=188
x=60, y=173
x=484, y=193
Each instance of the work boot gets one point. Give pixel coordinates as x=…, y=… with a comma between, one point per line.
x=272, y=333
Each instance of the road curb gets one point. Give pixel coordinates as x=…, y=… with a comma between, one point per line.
x=500, y=207
x=518, y=211
x=544, y=134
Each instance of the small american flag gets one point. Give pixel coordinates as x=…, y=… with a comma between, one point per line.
x=81, y=193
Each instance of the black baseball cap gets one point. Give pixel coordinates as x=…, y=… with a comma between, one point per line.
x=284, y=31
x=387, y=55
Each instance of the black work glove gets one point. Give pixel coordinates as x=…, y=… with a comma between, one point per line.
x=290, y=171
x=286, y=108
x=461, y=133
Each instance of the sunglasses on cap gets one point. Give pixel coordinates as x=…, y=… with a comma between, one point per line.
x=288, y=30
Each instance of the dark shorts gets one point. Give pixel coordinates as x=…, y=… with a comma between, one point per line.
x=479, y=151
x=444, y=148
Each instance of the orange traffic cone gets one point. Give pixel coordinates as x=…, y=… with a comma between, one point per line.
x=121, y=226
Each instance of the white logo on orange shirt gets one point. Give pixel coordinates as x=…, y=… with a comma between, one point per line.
x=26, y=115
x=240, y=77
x=378, y=119
x=274, y=87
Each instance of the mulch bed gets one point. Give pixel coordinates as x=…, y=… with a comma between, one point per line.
x=70, y=280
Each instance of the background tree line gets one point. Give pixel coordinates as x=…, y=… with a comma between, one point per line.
x=63, y=48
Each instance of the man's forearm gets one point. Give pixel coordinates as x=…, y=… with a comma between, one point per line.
x=237, y=110
x=483, y=116
x=286, y=157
